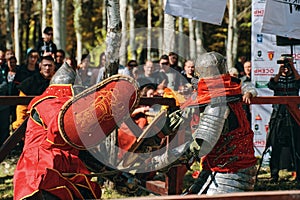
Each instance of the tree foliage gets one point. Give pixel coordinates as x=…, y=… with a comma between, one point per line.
x=94, y=34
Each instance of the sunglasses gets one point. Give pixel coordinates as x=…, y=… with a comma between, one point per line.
x=165, y=63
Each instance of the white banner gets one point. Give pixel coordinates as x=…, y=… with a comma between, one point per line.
x=210, y=11
x=265, y=54
x=281, y=18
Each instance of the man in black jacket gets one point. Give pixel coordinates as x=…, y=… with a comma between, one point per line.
x=46, y=46
x=284, y=130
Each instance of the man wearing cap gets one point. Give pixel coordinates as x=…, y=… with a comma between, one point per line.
x=46, y=46
x=284, y=130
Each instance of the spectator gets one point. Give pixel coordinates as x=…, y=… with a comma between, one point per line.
x=29, y=68
x=175, y=79
x=247, y=72
x=2, y=63
x=129, y=68
x=12, y=90
x=151, y=77
x=248, y=89
x=4, y=111
x=173, y=60
x=60, y=56
x=240, y=65
x=9, y=53
x=189, y=70
x=283, y=129
x=85, y=72
x=46, y=46
x=34, y=85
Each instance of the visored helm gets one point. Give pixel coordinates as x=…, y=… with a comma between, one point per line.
x=210, y=64
x=67, y=75
x=64, y=75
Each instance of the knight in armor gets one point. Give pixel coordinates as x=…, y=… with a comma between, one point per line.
x=223, y=138
x=46, y=155
x=284, y=131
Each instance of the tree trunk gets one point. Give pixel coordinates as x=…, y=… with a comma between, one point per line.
x=17, y=4
x=231, y=30
x=199, y=38
x=78, y=28
x=123, y=49
x=112, y=61
x=235, y=36
x=149, y=19
x=192, y=42
x=132, y=31
x=104, y=15
x=169, y=32
x=56, y=21
x=181, y=47
x=63, y=25
x=113, y=38
x=161, y=26
x=44, y=14
x=9, y=42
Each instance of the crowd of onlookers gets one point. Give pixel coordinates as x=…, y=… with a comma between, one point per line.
x=31, y=78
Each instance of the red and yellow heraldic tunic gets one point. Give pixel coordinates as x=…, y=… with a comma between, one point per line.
x=46, y=155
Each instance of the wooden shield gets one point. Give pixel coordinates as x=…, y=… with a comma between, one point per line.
x=86, y=119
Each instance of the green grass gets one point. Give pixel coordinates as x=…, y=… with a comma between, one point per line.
x=285, y=182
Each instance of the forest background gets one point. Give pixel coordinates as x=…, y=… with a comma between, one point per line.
x=80, y=26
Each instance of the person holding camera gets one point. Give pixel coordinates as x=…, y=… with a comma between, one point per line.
x=284, y=131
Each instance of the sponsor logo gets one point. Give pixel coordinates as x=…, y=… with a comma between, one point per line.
x=259, y=56
x=259, y=38
x=270, y=55
x=260, y=143
x=259, y=12
x=263, y=71
x=261, y=84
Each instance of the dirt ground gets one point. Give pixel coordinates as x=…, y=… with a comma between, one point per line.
x=286, y=181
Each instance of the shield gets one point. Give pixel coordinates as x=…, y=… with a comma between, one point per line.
x=87, y=118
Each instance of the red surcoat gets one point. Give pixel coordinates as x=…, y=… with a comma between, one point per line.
x=46, y=155
x=234, y=150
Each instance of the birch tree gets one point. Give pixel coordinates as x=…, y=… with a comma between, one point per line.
x=132, y=30
x=8, y=24
x=161, y=26
x=169, y=31
x=44, y=14
x=192, y=43
x=199, y=38
x=181, y=48
x=231, y=31
x=63, y=25
x=123, y=48
x=56, y=21
x=149, y=26
x=78, y=28
x=17, y=4
x=113, y=38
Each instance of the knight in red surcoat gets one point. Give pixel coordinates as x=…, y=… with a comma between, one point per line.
x=46, y=155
